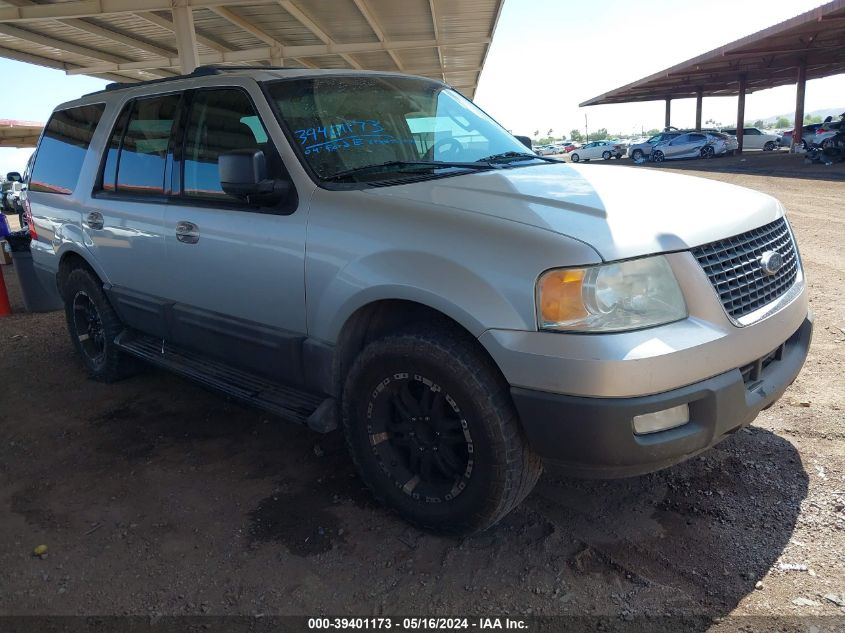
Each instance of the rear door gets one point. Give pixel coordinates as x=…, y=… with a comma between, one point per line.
x=752, y=138
x=235, y=272
x=124, y=219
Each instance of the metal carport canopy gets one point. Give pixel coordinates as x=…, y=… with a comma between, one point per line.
x=134, y=40
x=813, y=41
x=19, y=133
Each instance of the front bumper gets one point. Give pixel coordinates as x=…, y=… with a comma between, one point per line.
x=595, y=436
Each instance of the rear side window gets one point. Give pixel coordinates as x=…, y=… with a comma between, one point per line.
x=137, y=154
x=63, y=147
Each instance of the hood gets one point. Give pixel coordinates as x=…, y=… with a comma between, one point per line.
x=622, y=212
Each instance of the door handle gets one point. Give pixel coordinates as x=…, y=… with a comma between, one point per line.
x=94, y=220
x=187, y=232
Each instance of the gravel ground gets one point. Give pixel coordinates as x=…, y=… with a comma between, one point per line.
x=157, y=497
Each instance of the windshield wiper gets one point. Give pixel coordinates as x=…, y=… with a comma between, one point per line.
x=509, y=157
x=431, y=164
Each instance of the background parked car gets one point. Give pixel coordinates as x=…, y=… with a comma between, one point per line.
x=825, y=133
x=754, y=138
x=570, y=146
x=637, y=151
x=807, y=134
x=597, y=149
x=544, y=150
x=689, y=145
x=723, y=143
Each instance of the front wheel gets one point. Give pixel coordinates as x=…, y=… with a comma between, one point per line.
x=433, y=432
x=637, y=155
x=605, y=155
x=658, y=156
x=769, y=146
x=575, y=158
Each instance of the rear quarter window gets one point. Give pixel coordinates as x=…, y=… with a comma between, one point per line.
x=62, y=149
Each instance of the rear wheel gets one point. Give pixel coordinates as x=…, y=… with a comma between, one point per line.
x=93, y=325
x=434, y=433
x=606, y=155
x=575, y=158
x=769, y=146
x=707, y=151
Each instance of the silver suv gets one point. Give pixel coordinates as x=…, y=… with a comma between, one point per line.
x=372, y=252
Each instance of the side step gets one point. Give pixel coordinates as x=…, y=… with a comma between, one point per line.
x=289, y=403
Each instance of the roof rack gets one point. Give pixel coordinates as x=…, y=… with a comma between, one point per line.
x=199, y=71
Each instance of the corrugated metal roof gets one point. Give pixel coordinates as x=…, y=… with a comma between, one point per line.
x=133, y=40
x=19, y=133
x=765, y=59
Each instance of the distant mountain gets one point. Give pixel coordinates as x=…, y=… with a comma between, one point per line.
x=834, y=112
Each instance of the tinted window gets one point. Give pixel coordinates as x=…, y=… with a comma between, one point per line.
x=143, y=153
x=697, y=137
x=220, y=121
x=684, y=138
x=110, y=169
x=63, y=147
x=751, y=131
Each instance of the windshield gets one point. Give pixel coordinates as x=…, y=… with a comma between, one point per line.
x=346, y=123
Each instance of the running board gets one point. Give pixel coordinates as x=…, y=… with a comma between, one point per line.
x=289, y=403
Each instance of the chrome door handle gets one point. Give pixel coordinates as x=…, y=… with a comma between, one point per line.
x=187, y=232
x=94, y=220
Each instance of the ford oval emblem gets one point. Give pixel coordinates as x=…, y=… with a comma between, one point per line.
x=771, y=262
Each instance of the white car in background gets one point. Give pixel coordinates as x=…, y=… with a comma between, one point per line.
x=597, y=149
x=754, y=138
x=544, y=150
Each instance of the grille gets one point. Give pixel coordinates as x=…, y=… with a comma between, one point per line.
x=733, y=266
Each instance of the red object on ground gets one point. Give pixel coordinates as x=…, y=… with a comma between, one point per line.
x=5, y=307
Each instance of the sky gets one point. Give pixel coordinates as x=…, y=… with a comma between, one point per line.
x=547, y=57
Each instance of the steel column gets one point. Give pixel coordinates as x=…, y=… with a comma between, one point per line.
x=699, y=98
x=186, y=38
x=740, y=113
x=799, y=104
x=668, y=116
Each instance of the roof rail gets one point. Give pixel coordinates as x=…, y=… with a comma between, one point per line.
x=199, y=71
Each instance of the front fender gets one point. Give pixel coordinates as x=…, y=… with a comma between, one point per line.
x=439, y=283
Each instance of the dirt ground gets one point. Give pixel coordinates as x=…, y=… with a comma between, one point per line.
x=156, y=497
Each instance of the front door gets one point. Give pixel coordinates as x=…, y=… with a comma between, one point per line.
x=234, y=272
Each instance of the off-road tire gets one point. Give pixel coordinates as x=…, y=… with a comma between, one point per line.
x=504, y=468
x=113, y=364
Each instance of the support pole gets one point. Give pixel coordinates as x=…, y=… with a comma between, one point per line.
x=186, y=38
x=668, y=116
x=699, y=98
x=276, y=58
x=740, y=113
x=799, y=104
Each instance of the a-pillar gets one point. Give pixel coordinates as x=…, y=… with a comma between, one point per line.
x=186, y=38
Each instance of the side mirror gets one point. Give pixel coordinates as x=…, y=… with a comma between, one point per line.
x=243, y=175
x=14, y=176
x=525, y=141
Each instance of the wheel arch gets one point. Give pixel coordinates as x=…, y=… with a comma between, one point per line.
x=382, y=317
x=71, y=259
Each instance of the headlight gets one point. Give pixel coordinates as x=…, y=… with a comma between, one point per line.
x=627, y=295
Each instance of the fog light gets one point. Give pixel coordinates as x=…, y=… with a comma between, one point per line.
x=661, y=420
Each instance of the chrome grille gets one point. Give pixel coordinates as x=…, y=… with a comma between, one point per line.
x=733, y=266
